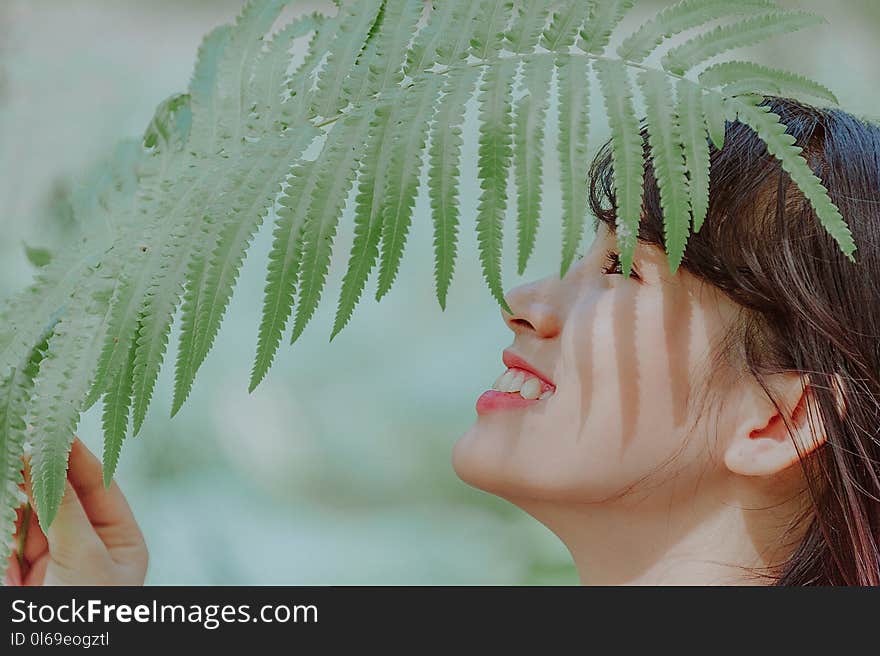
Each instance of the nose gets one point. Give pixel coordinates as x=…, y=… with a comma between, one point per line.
x=535, y=311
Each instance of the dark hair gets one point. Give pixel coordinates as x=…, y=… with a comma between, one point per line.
x=806, y=308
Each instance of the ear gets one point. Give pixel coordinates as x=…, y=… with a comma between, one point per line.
x=762, y=444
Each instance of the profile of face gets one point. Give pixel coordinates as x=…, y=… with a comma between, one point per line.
x=621, y=363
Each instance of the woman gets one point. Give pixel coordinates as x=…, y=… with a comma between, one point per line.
x=719, y=425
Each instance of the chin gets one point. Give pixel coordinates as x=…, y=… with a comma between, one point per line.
x=483, y=458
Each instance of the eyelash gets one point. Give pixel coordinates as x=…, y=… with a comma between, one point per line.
x=612, y=259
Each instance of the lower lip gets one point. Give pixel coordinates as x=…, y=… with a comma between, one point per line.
x=492, y=400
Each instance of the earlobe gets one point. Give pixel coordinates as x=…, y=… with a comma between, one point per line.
x=763, y=444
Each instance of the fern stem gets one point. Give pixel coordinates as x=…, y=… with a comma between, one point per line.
x=523, y=56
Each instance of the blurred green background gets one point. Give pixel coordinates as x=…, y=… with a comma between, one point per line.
x=336, y=470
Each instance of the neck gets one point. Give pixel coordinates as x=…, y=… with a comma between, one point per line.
x=700, y=539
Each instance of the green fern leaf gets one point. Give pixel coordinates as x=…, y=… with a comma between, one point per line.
x=339, y=161
x=283, y=269
x=235, y=67
x=117, y=406
x=266, y=87
x=455, y=45
x=780, y=144
x=664, y=137
x=177, y=190
x=60, y=388
x=15, y=394
x=352, y=32
x=604, y=17
x=402, y=16
x=528, y=24
x=402, y=180
x=529, y=119
x=696, y=148
x=252, y=196
x=489, y=29
x=495, y=153
x=715, y=115
x=746, y=32
x=738, y=76
x=368, y=212
x=565, y=25
x=681, y=16
x=627, y=155
x=574, y=115
x=445, y=154
x=423, y=51
x=204, y=99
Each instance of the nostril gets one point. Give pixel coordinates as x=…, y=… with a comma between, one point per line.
x=522, y=323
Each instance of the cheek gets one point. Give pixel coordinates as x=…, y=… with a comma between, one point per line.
x=628, y=361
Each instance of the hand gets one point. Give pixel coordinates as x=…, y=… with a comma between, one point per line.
x=94, y=539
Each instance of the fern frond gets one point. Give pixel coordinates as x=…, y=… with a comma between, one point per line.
x=267, y=86
x=736, y=77
x=572, y=74
x=528, y=24
x=15, y=394
x=565, y=25
x=401, y=19
x=166, y=206
x=627, y=155
x=235, y=67
x=250, y=199
x=489, y=28
x=780, y=144
x=605, y=15
x=716, y=117
x=60, y=388
x=339, y=161
x=746, y=32
x=368, y=212
x=692, y=127
x=495, y=153
x=664, y=137
x=444, y=156
x=402, y=180
x=114, y=420
x=203, y=85
x=351, y=34
x=683, y=15
x=423, y=51
x=455, y=46
x=529, y=118
x=283, y=269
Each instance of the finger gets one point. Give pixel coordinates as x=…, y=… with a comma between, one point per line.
x=13, y=571
x=71, y=537
x=35, y=544
x=104, y=506
x=37, y=573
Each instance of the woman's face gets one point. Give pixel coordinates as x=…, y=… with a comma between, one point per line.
x=621, y=364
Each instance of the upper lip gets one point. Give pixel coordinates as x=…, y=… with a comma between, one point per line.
x=511, y=359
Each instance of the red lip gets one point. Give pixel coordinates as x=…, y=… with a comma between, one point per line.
x=492, y=400
x=511, y=360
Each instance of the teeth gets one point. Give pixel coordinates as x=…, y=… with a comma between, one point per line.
x=502, y=383
x=531, y=389
x=516, y=382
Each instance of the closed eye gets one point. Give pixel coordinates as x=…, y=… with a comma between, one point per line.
x=613, y=265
